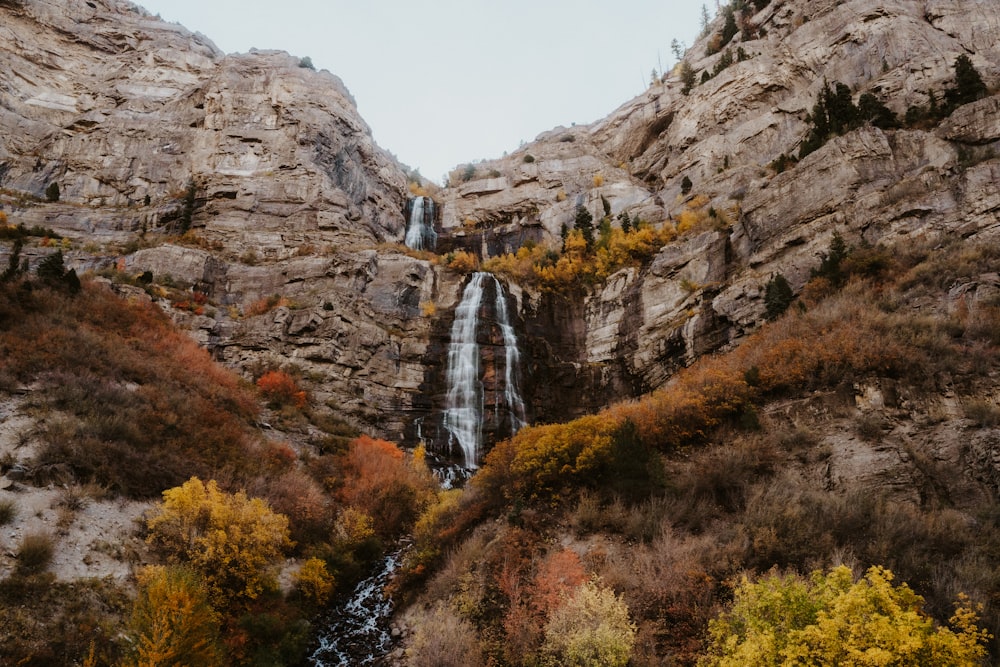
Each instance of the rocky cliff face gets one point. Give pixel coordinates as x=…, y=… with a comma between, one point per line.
x=724, y=135
x=148, y=128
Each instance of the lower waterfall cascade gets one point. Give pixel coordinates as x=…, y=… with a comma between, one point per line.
x=465, y=406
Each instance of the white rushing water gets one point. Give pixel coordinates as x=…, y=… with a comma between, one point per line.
x=512, y=363
x=357, y=632
x=463, y=414
x=419, y=234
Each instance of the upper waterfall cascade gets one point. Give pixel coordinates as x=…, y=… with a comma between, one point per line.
x=420, y=234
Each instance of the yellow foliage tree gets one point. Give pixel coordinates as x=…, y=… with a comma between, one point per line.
x=559, y=271
x=552, y=455
x=833, y=620
x=172, y=623
x=314, y=582
x=463, y=261
x=590, y=629
x=230, y=539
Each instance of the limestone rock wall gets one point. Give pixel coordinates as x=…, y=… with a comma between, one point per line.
x=124, y=111
x=144, y=125
x=706, y=290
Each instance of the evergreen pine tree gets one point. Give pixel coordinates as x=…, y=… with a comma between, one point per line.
x=872, y=110
x=687, y=77
x=13, y=262
x=626, y=222
x=585, y=223
x=730, y=29
x=969, y=85
x=777, y=297
x=52, y=269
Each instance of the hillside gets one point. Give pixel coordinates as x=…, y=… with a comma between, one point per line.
x=744, y=324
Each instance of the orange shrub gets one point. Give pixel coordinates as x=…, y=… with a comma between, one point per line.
x=279, y=389
x=380, y=481
x=265, y=305
x=558, y=575
x=686, y=411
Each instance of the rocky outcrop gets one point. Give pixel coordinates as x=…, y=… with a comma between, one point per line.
x=870, y=185
x=126, y=112
x=149, y=129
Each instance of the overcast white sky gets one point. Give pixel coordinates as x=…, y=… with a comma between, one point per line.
x=452, y=81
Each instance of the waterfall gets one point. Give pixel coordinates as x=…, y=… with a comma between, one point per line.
x=512, y=359
x=463, y=415
x=420, y=234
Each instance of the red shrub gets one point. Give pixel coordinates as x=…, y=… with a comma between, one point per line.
x=280, y=389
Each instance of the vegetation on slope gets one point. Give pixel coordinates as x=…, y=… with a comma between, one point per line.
x=719, y=479
x=130, y=406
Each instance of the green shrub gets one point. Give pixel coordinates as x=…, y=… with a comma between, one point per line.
x=52, y=192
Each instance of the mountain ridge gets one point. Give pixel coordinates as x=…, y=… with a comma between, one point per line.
x=244, y=196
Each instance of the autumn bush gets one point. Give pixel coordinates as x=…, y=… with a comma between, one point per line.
x=265, y=305
x=831, y=619
x=280, y=389
x=443, y=639
x=34, y=553
x=314, y=583
x=591, y=628
x=462, y=261
x=291, y=491
x=172, y=621
x=381, y=481
x=231, y=540
x=143, y=407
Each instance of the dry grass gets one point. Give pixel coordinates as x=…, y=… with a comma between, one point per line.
x=34, y=554
x=141, y=408
x=8, y=511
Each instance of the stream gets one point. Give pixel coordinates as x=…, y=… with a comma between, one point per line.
x=357, y=633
